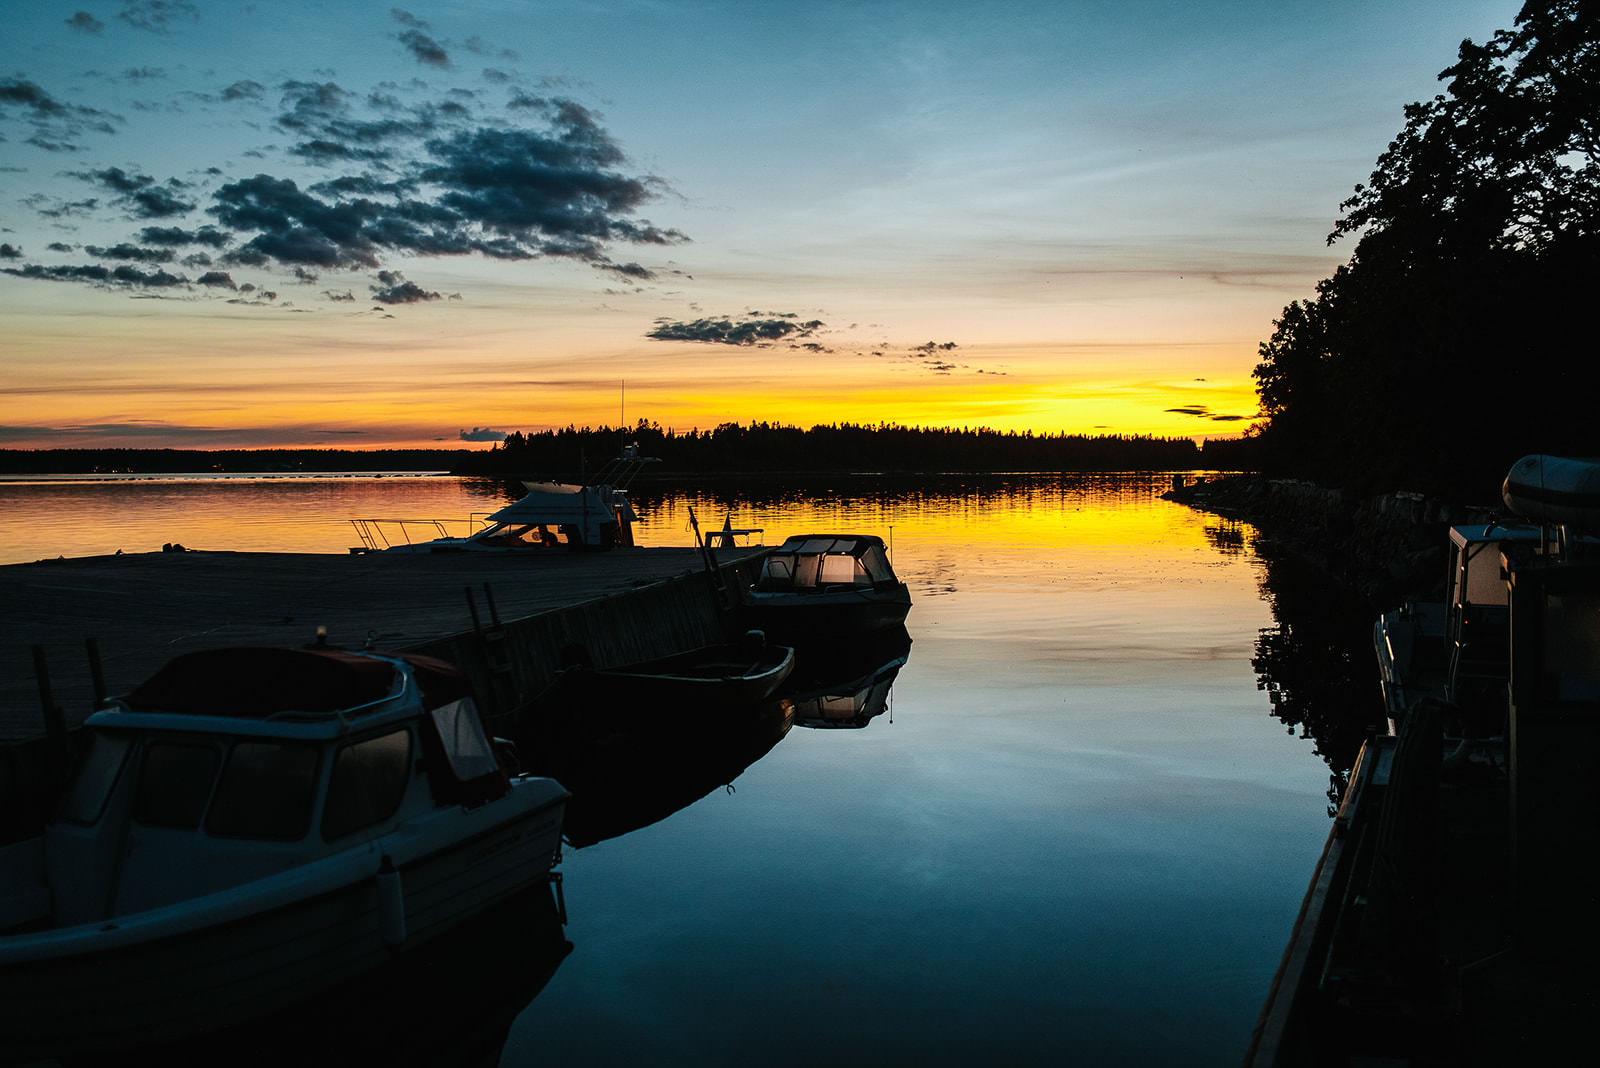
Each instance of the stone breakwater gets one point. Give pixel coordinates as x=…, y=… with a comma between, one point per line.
x=1390, y=546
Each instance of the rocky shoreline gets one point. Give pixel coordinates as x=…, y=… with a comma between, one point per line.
x=1390, y=547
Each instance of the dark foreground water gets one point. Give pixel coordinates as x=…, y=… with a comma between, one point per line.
x=1078, y=835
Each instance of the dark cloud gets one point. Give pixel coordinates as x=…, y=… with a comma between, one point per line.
x=424, y=48
x=9, y=251
x=59, y=246
x=88, y=272
x=412, y=176
x=157, y=16
x=515, y=193
x=56, y=125
x=140, y=193
x=479, y=47
x=394, y=289
x=931, y=347
x=216, y=279
x=177, y=236
x=84, y=22
x=123, y=275
x=482, y=433
x=126, y=251
x=1200, y=411
x=244, y=90
x=151, y=429
x=50, y=208
x=734, y=332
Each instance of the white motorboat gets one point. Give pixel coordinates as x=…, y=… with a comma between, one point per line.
x=250, y=827
x=594, y=515
x=822, y=588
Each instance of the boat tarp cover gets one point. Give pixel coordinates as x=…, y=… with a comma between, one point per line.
x=557, y=503
x=826, y=560
x=253, y=683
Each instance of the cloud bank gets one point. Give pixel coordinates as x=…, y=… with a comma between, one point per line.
x=357, y=180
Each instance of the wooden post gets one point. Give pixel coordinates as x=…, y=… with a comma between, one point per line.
x=55, y=726
x=96, y=675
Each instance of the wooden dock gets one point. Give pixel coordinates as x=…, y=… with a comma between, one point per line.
x=144, y=609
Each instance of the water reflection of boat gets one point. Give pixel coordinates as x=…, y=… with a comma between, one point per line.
x=826, y=587
x=849, y=689
x=250, y=827
x=1449, y=920
x=452, y=1002
x=624, y=777
x=596, y=515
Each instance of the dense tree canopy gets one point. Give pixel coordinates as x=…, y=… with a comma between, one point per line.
x=771, y=448
x=1457, y=336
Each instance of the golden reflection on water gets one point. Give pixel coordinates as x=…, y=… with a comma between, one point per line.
x=1067, y=528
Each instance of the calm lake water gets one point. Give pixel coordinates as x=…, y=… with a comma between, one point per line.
x=1080, y=835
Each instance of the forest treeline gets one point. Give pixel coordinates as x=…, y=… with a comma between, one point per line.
x=761, y=447
x=1459, y=336
x=191, y=461
x=757, y=448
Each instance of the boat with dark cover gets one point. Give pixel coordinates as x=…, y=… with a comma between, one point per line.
x=250, y=827
x=826, y=588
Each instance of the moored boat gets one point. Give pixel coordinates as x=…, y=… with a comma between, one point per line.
x=1450, y=919
x=730, y=676
x=826, y=588
x=250, y=827
x=589, y=516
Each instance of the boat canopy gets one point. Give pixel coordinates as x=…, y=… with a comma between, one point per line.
x=259, y=683
x=560, y=503
x=262, y=682
x=814, y=560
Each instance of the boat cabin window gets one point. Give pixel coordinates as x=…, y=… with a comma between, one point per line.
x=175, y=781
x=369, y=779
x=876, y=562
x=266, y=791
x=1479, y=578
x=460, y=760
x=97, y=775
x=466, y=747
x=825, y=562
x=837, y=568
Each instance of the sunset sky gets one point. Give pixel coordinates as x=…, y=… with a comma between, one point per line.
x=358, y=225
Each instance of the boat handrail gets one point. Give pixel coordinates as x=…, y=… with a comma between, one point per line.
x=342, y=714
x=373, y=531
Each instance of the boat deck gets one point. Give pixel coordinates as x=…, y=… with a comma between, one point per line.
x=144, y=609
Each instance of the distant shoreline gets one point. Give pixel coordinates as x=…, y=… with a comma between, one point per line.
x=760, y=451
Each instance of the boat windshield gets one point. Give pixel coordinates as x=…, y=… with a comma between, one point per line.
x=97, y=774
x=826, y=562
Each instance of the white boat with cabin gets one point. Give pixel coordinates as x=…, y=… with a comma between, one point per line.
x=250, y=827
x=595, y=515
x=821, y=588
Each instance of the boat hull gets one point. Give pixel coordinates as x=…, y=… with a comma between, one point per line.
x=826, y=616
x=234, y=956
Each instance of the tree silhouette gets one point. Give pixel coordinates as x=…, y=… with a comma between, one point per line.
x=1456, y=337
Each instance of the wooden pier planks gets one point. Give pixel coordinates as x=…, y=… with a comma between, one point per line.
x=144, y=609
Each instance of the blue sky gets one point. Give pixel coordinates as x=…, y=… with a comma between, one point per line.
x=1056, y=216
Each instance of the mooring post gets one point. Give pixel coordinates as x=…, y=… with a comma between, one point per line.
x=96, y=676
x=55, y=726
